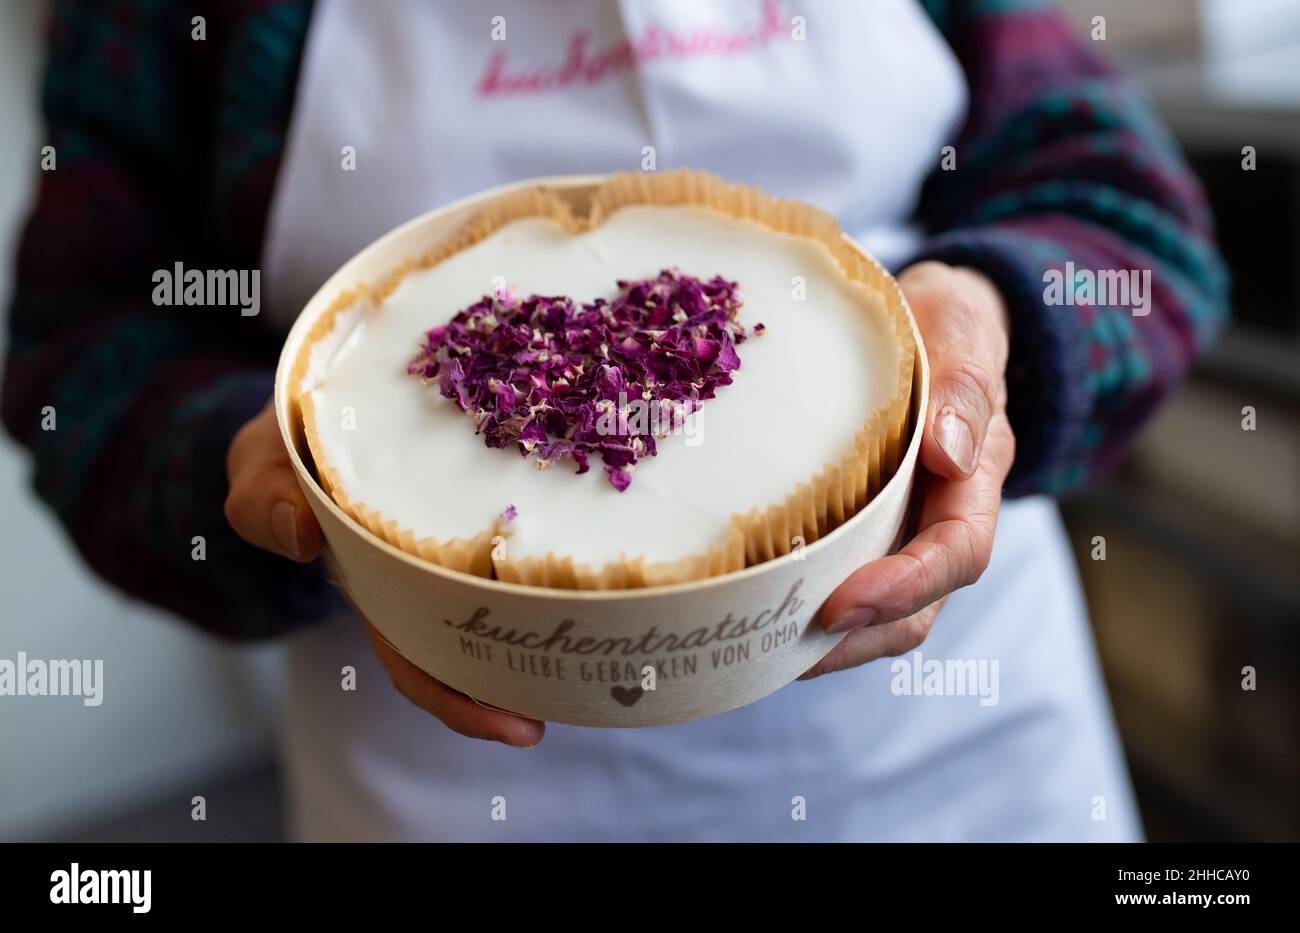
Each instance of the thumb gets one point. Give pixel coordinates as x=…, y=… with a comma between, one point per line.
x=962, y=319
x=962, y=402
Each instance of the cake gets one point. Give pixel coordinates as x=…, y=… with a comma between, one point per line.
x=673, y=380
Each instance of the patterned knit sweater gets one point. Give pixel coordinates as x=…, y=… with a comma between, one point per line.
x=167, y=151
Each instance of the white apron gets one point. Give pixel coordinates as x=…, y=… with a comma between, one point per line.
x=845, y=106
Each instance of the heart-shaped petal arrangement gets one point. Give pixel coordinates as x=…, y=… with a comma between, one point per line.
x=551, y=376
x=555, y=378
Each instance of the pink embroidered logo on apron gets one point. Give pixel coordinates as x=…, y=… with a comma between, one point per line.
x=584, y=66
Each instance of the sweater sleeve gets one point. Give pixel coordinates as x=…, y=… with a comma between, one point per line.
x=127, y=408
x=1061, y=169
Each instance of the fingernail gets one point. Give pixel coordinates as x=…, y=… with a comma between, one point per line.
x=524, y=736
x=284, y=526
x=531, y=738
x=854, y=618
x=956, y=438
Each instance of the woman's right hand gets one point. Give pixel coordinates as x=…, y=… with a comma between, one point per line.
x=266, y=507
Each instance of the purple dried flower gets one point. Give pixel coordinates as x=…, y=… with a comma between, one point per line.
x=561, y=380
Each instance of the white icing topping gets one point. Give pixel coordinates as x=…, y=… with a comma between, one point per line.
x=803, y=390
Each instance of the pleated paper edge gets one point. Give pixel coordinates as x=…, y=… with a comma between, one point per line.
x=469, y=555
x=811, y=511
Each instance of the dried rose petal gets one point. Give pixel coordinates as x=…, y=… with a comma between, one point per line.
x=559, y=380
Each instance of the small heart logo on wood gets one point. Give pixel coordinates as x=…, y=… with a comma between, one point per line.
x=626, y=695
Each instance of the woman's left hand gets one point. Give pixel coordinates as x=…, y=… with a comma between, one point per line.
x=888, y=606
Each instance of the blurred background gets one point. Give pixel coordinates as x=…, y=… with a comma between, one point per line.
x=1202, y=522
x=182, y=714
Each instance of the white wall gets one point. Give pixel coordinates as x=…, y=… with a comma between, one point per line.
x=178, y=710
x=1235, y=28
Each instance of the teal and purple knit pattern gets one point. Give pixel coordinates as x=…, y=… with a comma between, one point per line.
x=167, y=151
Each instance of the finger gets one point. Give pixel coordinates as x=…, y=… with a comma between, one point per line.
x=457, y=711
x=951, y=550
x=265, y=505
x=863, y=645
x=960, y=316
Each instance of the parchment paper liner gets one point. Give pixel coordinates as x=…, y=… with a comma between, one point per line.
x=814, y=508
